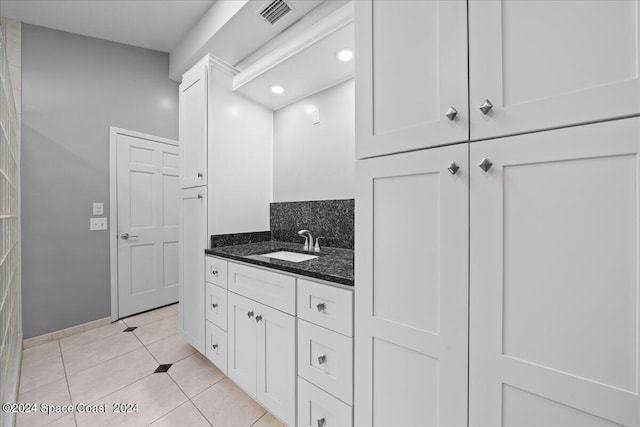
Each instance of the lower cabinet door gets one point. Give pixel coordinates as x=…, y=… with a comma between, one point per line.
x=317, y=408
x=216, y=346
x=242, y=342
x=276, y=363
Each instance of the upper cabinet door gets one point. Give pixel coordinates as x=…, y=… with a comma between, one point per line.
x=411, y=70
x=193, y=129
x=547, y=64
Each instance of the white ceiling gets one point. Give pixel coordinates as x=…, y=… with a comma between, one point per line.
x=152, y=24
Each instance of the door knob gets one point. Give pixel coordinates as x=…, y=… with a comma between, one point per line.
x=320, y=307
x=322, y=359
x=453, y=168
x=486, y=106
x=451, y=113
x=485, y=164
x=250, y=314
x=125, y=236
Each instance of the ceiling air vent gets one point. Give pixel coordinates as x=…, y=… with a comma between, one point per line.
x=275, y=10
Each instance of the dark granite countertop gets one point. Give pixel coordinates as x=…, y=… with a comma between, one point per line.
x=333, y=264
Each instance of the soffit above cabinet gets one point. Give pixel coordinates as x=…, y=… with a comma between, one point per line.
x=302, y=66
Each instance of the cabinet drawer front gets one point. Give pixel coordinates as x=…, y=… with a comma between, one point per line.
x=216, y=346
x=326, y=306
x=272, y=289
x=216, y=305
x=216, y=271
x=316, y=405
x=325, y=358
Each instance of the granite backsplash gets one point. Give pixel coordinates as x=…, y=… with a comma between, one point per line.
x=333, y=220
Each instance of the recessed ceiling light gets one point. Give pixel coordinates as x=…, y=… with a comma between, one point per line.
x=345, y=55
x=277, y=89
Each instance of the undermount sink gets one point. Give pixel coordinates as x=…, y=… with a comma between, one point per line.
x=289, y=256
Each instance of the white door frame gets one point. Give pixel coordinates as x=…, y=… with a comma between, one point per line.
x=113, y=204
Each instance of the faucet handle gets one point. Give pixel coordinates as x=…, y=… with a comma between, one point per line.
x=316, y=248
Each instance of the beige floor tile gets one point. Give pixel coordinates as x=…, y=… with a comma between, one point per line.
x=66, y=421
x=224, y=404
x=185, y=415
x=194, y=374
x=268, y=420
x=155, y=331
x=92, y=335
x=171, y=349
x=105, y=378
x=149, y=316
x=55, y=393
x=78, y=358
x=41, y=365
x=156, y=395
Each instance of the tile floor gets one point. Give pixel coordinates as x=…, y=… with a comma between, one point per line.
x=107, y=366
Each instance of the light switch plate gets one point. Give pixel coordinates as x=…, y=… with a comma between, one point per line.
x=98, y=208
x=97, y=224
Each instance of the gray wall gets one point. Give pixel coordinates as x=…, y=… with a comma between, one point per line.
x=315, y=162
x=74, y=88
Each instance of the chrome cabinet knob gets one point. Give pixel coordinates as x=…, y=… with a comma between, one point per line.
x=320, y=307
x=214, y=271
x=199, y=196
x=485, y=164
x=250, y=314
x=125, y=236
x=258, y=318
x=322, y=359
x=321, y=422
x=453, y=168
x=214, y=305
x=214, y=346
x=200, y=175
x=486, y=106
x=451, y=113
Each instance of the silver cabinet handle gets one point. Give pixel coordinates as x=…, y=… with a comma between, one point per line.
x=214, y=271
x=200, y=175
x=322, y=359
x=125, y=236
x=250, y=314
x=214, y=346
x=258, y=318
x=199, y=196
x=214, y=305
x=321, y=422
x=453, y=168
x=320, y=307
x=486, y=106
x=485, y=164
x=451, y=113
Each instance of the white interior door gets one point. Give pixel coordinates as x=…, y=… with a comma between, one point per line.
x=554, y=278
x=412, y=297
x=147, y=224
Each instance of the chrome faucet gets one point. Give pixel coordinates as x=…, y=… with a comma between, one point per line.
x=308, y=239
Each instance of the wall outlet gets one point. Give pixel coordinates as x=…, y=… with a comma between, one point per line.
x=98, y=208
x=96, y=224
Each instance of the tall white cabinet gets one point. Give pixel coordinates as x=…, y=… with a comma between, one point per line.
x=498, y=278
x=225, y=181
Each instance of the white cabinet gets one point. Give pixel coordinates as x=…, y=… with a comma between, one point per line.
x=537, y=64
x=216, y=346
x=193, y=242
x=193, y=127
x=316, y=407
x=411, y=68
x=554, y=296
x=411, y=307
x=546, y=64
x=262, y=340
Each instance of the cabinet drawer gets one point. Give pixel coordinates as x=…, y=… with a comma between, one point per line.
x=325, y=358
x=272, y=289
x=216, y=271
x=326, y=306
x=318, y=408
x=216, y=346
x=216, y=305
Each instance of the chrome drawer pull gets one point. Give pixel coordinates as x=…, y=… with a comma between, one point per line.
x=320, y=307
x=322, y=359
x=258, y=318
x=214, y=346
x=250, y=314
x=321, y=422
